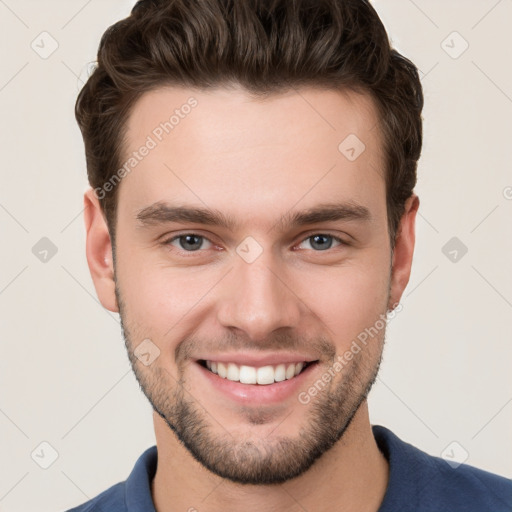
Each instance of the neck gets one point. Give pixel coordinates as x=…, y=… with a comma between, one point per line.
x=353, y=475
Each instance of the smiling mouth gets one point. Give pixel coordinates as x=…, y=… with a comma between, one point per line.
x=262, y=375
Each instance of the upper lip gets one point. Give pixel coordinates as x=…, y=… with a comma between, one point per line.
x=257, y=360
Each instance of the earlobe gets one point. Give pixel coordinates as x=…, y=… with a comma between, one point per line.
x=99, y=251
x=404, y=250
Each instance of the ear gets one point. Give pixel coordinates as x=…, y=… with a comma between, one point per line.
x=403, y=252
x=99, y=251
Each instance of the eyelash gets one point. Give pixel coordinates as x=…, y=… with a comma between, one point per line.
x=191, y=253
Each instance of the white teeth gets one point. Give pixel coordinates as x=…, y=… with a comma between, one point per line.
x=290, y=371
x=222, y=370
x=280, y=373
x=247, y=375
x=265, y=375
x=233, y=372
x=251, y=375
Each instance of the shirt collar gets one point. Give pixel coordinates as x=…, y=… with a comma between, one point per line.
x=138, y=485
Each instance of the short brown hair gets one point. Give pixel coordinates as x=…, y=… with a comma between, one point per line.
x=266, y=46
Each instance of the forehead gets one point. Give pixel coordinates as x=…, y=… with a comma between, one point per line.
x=223, y=147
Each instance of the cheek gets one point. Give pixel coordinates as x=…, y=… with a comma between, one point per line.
x=350, y=299
x=158, y=297
x=157, y=306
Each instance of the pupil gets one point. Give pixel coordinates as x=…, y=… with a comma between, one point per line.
x=322, y=246
x=188, y=238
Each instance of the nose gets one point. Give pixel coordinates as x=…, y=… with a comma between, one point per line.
x=258, y=298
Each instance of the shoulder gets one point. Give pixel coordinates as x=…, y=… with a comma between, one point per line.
x=470, y=488
x=111, y=499
x=429, y=483
x=132, y=495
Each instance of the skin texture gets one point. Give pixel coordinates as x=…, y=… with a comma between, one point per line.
x=255, y=160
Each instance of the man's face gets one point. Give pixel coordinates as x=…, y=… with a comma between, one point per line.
x=263, y=291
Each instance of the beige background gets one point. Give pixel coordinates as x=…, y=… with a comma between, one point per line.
x=64, y=374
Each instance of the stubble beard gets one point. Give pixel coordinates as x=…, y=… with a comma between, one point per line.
x=242, y=458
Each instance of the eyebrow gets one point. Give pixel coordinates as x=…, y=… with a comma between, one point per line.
x=161, y=213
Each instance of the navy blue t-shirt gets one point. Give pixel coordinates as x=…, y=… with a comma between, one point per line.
x=418, y=482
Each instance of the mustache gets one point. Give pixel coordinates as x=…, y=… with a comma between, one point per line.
x=194, y=347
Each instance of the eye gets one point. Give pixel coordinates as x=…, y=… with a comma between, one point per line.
x=188, y=242
x=322, y=242
x=192, y=242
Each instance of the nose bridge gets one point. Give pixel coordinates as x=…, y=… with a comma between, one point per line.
x=258, y=299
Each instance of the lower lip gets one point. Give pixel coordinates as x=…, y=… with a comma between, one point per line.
x=259, y=393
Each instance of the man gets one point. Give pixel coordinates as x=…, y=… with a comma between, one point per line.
x=251, y=213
